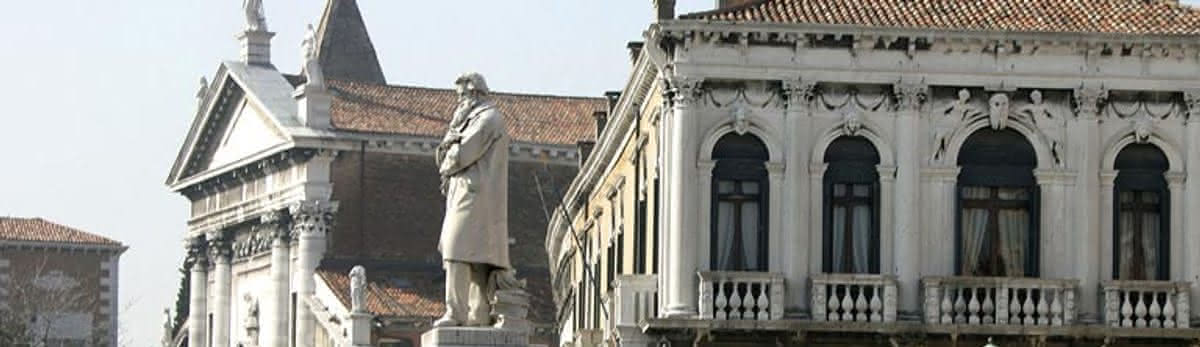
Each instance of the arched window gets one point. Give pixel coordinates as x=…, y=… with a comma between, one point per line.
x=851, y=201
x=1139, y=235
x=739, y=199
x=997, y=206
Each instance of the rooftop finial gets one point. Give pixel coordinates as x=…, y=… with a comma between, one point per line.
x=256, y=19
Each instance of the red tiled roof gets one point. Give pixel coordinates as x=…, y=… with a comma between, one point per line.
x=419, y=294
x=40, y=230
x=544, y=119
x=1075, y=16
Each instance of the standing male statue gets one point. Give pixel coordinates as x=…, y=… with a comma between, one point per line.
x=256, y=20
x=473, y=163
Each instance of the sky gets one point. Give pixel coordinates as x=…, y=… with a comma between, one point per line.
x=98, y=96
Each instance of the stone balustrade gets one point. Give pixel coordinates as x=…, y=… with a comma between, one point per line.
x=999, y=301
x=635, y=299
x=854, y=298
x=728, y=295
x=1146, y=304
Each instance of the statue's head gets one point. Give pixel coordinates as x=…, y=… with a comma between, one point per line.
x=1035, y=96
x=471, y=84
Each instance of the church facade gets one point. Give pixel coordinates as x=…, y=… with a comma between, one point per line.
x=893, y=172
x=294, y=179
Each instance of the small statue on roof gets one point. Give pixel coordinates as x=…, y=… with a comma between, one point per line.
x=308, y=55
x=358, y=289
x=256, y=19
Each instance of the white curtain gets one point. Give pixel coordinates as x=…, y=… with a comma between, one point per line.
x=974, y=230
x=1151, y=231
x=750, y=235
x=839, y=239
x=725, y=224
x=1014, y=232
x=862, y=239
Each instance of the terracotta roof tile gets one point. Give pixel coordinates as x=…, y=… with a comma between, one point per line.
x=544, y=119
x=419, y=294
x=40, y=230
x=1073, y=16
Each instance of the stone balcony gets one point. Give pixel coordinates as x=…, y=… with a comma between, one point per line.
x=1146, y=304
x=999, y=301
x=853, y=298
x=634, y=300
x=730, y=295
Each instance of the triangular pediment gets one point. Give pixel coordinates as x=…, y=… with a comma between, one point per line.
x=233, y=125
x=248, y=133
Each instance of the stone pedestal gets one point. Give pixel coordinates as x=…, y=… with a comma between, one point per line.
x=473, y=336
x=510, y=308
x=360, y=329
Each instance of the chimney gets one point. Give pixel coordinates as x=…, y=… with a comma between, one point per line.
x=601, y=121
x=585, y=150
x=664, y=9
x=635, y=49
x=732, y=3
x=612, y=97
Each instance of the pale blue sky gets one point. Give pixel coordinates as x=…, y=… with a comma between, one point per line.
x=99, y=94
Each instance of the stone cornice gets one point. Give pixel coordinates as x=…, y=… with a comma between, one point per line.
x=797, y=36
x=72, y=247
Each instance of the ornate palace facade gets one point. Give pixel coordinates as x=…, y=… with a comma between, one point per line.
x=905, y=172
x=294, y=179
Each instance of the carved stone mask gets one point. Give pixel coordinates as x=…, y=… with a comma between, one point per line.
x=852, y=123
x=740, y=123
x=1142, y=129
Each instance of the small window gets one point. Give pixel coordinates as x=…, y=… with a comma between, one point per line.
x=1140, y=235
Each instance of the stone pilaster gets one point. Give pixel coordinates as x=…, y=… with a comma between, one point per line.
x=197, y=263
x=682, y=293
x=275, y=305
x=221, y=255
x=797, y=120
x=311, y=221
x=1085, y=143
x=910, y=97
x=1191, y=222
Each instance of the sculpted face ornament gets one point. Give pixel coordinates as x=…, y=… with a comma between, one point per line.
x=852, y=123
x=1142, y=129
x=998, y=111
x=740, y=124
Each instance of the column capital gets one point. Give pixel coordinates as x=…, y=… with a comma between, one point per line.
x=220, y=249
x=910, y=95
x=1175, y=178
x=197, y=254
x=312, y=217
x=1088, y=100
x=684, y=90
x=273, y=224
x=887, y=173
x=798, y=93
x=1053, y=177
x=1107, y=177
x=817, y=170
x=775, y=168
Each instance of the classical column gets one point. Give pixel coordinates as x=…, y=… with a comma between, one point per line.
x=1106, y=228
x=887, y=234
x=311, y=221
x=221, y=254
x=910, y=97
x=683, y=288
x=795, y=194
x=1175, y=184
x=275, y=323
x=1088, y=231
x=1056, y=239
x=1191, y=224
x=937, y=212
x=197, y=261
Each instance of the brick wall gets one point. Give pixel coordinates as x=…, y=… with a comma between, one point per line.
x=90, y=275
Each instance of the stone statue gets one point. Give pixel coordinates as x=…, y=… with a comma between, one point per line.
x=308, y=55
x=358, y=289
x=256, y=19
x=251, y=321
x=473, y=162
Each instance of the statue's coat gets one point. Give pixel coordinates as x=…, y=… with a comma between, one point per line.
x=475, y=229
